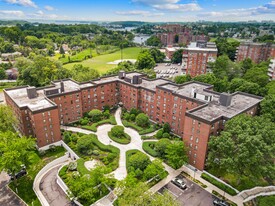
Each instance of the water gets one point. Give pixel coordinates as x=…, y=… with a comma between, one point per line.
x=141, y=39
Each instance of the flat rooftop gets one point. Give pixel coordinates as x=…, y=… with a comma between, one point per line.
x=194, y=47
x=20, y=97
x=152, y=84
x=239, y=103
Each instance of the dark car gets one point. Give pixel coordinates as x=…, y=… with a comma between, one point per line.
x=218, y=202
x=179, y=182
x=19, y=174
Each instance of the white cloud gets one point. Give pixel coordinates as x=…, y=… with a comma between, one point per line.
x=268, y=8
x=170, y=5
x=11, y=14
x=139, y=13
x=49, y=8
x=26, y=3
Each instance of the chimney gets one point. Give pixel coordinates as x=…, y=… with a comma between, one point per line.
x=62, y=88
x=121, y=74
x=136, y=79
x=225, y=99
x=31, y=91
x=193, y=92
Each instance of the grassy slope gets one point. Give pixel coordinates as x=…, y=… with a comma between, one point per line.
x=100, y=62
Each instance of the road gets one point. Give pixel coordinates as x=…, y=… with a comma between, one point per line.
x=51, y=190
x=7, y=197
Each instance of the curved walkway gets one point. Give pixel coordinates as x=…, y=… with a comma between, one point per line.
x=136, y=143
x=52, y=191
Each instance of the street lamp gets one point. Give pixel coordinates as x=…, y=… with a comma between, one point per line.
x=195, y=170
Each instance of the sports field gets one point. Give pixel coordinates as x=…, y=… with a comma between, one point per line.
x=100, y=63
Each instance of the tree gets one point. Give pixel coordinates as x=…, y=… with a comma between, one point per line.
x=85, y=144
x=118, y=131
x=161, y=146
x=81, y=73
x=257, y=74
x=14, y=151
x=177, y=56
x=2, y=74
x=246, y=65
x=182, y=79
x=145, y=60
x=7, y=119
x=244, y=148
x=61, y=50
x=153, y=41
x=139, y=161
x=139, y=195
x=176, y=154
x=96, y=115
x=157, y=55
x=142, y=120
x=166, y=128
x=40, y=71
x=268, y=107
x=271, y=88
x=156, y=168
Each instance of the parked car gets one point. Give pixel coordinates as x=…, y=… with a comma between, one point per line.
x=218, y=202
x=179, y=182
x=19, y=174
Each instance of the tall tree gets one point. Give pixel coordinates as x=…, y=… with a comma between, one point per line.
x=145, y=60
x=177, y=56
x=14, y=151
x=268, y=107
x=157, y=55
x=176, y=154
x=7, y=119
x=246, y=148
x=81, y=73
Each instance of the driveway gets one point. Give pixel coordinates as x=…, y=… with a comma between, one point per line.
x=51, y=190
x=7, y=197
x=194, y=195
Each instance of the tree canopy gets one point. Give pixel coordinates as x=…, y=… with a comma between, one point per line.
x=7, y=119
x=145, y=60
x=82, y=74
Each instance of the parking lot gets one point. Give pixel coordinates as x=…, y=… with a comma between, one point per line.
x=193, y=195
x=167, y=70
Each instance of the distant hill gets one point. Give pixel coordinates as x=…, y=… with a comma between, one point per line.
x=12, y=22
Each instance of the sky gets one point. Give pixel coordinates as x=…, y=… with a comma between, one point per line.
x=139, y=10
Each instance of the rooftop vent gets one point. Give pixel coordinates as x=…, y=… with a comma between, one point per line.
x=62, y=88
x=121, y=75
x=225, y=99
x=137, y=79
x=31, y=91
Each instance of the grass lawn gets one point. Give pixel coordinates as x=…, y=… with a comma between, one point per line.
x=37, y=162
x=100, y=62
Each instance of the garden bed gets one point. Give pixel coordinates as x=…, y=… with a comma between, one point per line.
x=126, y=139
x=107, y=154
x=218, y=184
x=94, y=126
x=148, y=147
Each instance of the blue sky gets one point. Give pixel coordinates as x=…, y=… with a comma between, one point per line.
x=139, y=10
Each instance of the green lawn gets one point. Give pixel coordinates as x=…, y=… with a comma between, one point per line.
x=6, y=85
x=36, y=163
x=228, y=39
x=100, y=62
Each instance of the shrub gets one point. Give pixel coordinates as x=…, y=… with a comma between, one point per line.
x=161, y=146
x=117, y=131
x=142, y=120
x=95, y=115
x=72, y=166
x=127, y=116
x=84, y=144
x=134, y=111
x=218, y=184
x=148, y=147
x=132, y=125
x=166, y=135
x=159, y=134
x=139, y=161
x=146, y=131
x=166, y=128
x=90, y=127
x=132, y=117
x=124, y=139
x=106, y=114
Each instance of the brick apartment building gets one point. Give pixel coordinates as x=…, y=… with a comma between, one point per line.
x=197, y=56
x=271, y=69
x=193, y=110
x=257, y=52
x=175, y=34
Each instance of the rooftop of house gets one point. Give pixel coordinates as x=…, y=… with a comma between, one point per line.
x=206, y=46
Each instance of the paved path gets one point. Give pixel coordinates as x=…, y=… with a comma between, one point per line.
x=7, y=197
x=136, y=143
x=51, y=190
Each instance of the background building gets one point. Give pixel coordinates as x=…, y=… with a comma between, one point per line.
x=193, y=110
x=197, y=56
x=271, y=69
x=257, y=52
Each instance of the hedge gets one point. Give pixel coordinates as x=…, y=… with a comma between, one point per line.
x=132, y=125
x=81, y=167
x=125, y=140
x=218, y=184
x=146, y=131
x=94, y=126
x=146, y=147
x=129, y=153
x=148, y=137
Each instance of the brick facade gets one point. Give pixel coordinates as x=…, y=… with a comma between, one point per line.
x=163, y=101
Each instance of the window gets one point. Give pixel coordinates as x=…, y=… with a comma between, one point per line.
x=197, y=140
x=191, y=137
